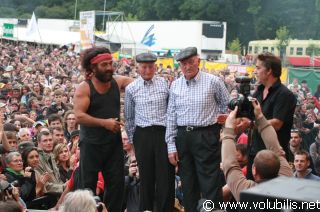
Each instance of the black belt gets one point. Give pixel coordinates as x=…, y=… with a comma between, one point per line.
x=194, y=128
x=153, y=127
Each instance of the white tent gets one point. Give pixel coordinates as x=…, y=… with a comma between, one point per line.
x=45, y=36
x=49, y=36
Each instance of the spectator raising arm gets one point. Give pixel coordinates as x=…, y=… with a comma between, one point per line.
x=3, y=137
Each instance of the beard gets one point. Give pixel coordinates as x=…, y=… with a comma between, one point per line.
x=104, y=77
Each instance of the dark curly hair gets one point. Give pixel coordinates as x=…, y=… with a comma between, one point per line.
x=88, y=54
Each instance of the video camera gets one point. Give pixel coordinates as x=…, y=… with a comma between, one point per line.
x=245, y=108
x=5, y=186
x=98, y=205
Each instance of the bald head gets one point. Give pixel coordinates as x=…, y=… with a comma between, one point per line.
x=267, y=164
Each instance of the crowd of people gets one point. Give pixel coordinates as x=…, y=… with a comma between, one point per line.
x=64, y=115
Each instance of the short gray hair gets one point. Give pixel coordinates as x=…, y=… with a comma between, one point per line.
x=79, y=200
x=22, y=131
x=10, y=155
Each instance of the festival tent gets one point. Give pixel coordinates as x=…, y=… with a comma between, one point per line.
x=45, y=36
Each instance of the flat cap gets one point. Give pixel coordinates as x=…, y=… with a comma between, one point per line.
x=146, y=57
x=25, y=145
x=186, y=53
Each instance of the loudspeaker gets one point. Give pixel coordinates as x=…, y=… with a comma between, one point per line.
x=282, y=194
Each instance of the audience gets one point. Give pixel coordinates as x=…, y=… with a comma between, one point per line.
x=36, y=118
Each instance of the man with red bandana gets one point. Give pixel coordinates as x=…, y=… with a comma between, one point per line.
x=97, y=110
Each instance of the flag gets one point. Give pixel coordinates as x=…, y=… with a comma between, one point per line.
x=32, y=27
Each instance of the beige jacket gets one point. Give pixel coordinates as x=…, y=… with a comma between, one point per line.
x=54, y=184
x=235, y=179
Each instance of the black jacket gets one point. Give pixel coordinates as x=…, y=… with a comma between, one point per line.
x=27, y=184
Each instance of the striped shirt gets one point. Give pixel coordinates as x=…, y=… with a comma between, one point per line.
x=145, y=104
x=196, y=102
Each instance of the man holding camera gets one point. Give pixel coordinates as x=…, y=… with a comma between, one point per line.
x=277, y=102
x=132, y=183
x=193, y=132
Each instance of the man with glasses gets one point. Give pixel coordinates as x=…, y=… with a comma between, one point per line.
x=70, y=124
x=196, y=100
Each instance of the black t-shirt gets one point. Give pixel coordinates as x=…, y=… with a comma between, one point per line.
x=102, y=106
x=280, y=103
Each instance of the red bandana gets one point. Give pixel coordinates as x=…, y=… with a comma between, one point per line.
x=101, y=57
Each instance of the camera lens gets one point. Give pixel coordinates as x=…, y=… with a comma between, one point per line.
x=99, y=207
x=233, y=103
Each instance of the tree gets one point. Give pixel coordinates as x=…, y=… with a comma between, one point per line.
x=246, y=19
x=235, y=46
x=265, y=27
x=131, y=17
x=283, y=37
x=313, y=50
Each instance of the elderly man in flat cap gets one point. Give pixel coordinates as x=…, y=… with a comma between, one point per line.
x=192, y=134
x=146, y=113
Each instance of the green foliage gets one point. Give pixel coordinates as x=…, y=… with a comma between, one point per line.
x=131, y=17
x=313, y=50
x=53, y=12
x=246, y=19
x=10, y=12
x=234, y=46
x=254, y=7
x=283, y=35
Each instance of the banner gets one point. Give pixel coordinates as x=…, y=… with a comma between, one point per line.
x=87, y=26
x=239, y=69
x=212, y=66
x=8, y=30
x=312, y=77
x=165, y=62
